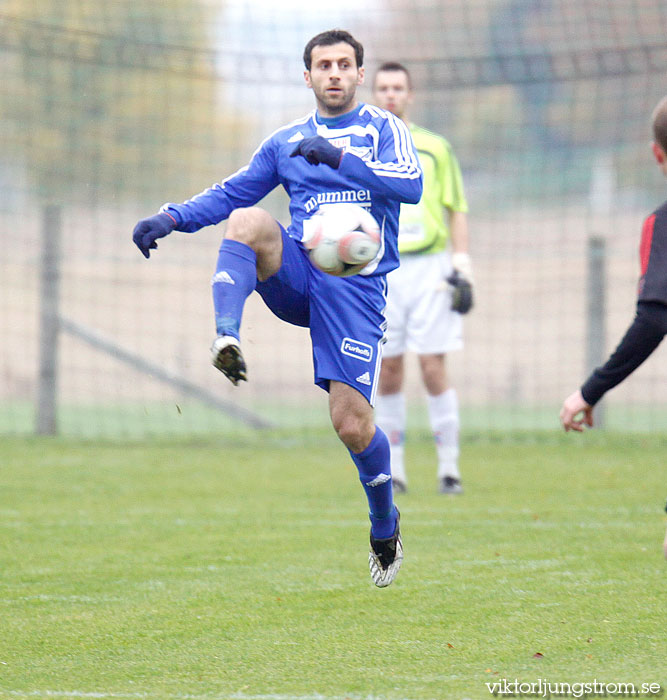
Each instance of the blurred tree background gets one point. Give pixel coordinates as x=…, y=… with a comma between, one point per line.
x=113, y=101
x=110, y=109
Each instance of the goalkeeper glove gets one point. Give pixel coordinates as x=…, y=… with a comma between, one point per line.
x=316, y=149
x=147, y=231
x=461, y=282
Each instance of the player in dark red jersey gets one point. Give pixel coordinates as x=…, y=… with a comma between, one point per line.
x=650, y=323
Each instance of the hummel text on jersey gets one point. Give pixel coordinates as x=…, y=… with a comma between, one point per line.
x=361, y=197
x=355, y=348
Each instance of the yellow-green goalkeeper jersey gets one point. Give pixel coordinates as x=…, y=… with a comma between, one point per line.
x=422, y=227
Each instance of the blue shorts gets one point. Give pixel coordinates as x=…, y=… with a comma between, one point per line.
x=345, y=316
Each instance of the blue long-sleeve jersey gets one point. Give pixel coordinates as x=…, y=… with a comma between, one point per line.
x=379, y=170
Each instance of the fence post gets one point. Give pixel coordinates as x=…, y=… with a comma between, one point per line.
x=49, y=325
x=596, y=306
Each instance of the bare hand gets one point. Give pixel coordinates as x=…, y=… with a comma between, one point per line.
x=576, y=413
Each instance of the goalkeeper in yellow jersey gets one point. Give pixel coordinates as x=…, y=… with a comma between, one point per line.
x=428, y=293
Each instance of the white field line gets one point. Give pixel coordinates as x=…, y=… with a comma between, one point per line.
x=178, y=696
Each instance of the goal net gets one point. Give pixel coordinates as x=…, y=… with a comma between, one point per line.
x=108, y=110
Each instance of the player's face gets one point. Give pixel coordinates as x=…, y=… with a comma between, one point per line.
x=333, y=77
x=391, y=91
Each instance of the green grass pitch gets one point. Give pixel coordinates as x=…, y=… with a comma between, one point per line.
x=214, y=570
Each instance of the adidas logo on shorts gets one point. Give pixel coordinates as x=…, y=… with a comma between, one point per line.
x=364, y=378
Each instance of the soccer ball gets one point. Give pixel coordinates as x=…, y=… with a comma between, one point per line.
x=342, y=239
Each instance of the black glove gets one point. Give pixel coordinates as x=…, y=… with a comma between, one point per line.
x=316, y=149
x=147, y=231
x=462, y=296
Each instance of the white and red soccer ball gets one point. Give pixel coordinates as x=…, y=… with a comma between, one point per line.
x=342, y=239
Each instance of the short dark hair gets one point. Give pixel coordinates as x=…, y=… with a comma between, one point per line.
x=660, y=124
x=394, y=67
x=329, y=38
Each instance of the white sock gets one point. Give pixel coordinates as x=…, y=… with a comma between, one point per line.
x=390, y=416
x=443, y=411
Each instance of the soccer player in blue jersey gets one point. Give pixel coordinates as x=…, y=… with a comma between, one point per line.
x=343, y=151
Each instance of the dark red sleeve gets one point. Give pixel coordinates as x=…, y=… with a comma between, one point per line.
x=646, y=242
x=653, y=257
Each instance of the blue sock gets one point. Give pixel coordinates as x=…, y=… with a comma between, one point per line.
x=375, y=476
x=234, y=280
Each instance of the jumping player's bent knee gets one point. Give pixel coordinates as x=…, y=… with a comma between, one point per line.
x=354, y=431
x=352, y=435
x=252, y=226
x=257, y=229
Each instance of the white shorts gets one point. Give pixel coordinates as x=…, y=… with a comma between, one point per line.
x=419, y=315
